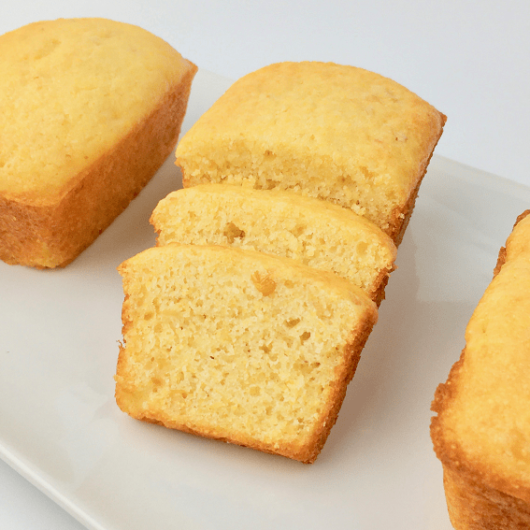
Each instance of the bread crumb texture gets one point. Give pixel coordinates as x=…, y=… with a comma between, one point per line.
x=319, y=234
x=240, y=346
x=482, y=431
x=70, y=89
x=328, y=131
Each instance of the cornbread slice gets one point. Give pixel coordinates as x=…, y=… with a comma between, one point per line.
x=317, y=233
x=328, y=131
x=91, y=108
x=239, y=346
x=482, y=430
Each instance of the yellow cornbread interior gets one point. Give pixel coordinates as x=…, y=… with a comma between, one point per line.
x=69, y=91
x=327, y=131
x=234, y=344
x=319, y=234
x=489, y=414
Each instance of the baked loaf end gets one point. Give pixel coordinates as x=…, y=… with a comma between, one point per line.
x=239, y=346
x=482, y=430
x=328, y=131
x=317, y=233
x=91, y=108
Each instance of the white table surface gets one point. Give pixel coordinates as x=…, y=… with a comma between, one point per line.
x=470, y=59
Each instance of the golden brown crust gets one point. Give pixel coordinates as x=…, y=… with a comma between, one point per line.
x=502, y=252
x=444, y=392
x=454, y=460
x=46, y=236
x=379, y=295
x=400, y=219
x=477, y=499
x=501, y=260
x=352, y=356
x=521, y=217
x=474, y=506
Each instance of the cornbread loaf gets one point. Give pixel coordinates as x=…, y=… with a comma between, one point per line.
x=320, y=234
x=482, y=430
x=91, y=108
x=239, y=346
x=328, y=131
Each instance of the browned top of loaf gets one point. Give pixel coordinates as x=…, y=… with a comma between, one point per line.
x=339, y=126
x=70, y=89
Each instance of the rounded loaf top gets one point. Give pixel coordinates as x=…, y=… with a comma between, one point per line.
x=341, y=113
x=70, y=89
x=333, y=132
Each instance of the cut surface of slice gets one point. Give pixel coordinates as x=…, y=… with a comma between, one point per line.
x=239, y=346
x=317, y=233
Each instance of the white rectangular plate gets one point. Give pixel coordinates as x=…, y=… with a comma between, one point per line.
x=60, y=426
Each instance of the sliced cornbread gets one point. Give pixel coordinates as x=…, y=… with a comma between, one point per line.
x=239, y=346
x=91, y=108
x=482, y=430
x=317, y=233
x=328, y=131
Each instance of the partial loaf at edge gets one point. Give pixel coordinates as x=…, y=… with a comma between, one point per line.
x=481, y=432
